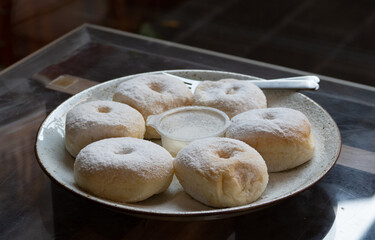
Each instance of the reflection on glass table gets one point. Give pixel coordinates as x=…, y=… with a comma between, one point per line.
x=340, y=206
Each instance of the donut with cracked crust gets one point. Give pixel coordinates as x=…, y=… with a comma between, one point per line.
x=221, y=172
x=281, y=135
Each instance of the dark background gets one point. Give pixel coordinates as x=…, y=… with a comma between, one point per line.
x=335, y=38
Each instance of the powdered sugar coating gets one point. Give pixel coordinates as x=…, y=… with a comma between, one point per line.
x=221, y=172
x=174, y=204
x=230, y=96
x=281, y=135
x=283, y=122
x=153, y=94
x=96, y=120
x=123, y=169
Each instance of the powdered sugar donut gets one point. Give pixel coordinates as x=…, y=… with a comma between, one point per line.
x=281, y=135
x=230, y=96
x=153, y=94
x=221, y=172
x=123, y=169
x=92, y=121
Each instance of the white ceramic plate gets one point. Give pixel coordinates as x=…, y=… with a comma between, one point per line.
x=175, y=203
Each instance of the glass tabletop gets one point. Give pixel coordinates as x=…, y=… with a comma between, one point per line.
x=340, y=206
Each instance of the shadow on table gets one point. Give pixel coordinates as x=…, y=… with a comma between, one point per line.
x=308, y=215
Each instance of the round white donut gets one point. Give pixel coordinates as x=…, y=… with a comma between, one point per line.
x=221, y=172
x=281, y=135
x=92, y=121
x=123, y=169
x=153, y=94
x=230, y=96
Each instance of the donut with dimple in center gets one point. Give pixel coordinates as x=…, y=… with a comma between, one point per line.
x=221, y=172
x=153, y=94
x=281, y=135
x=230, y=96
x=123, y=169
x=92, y=121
